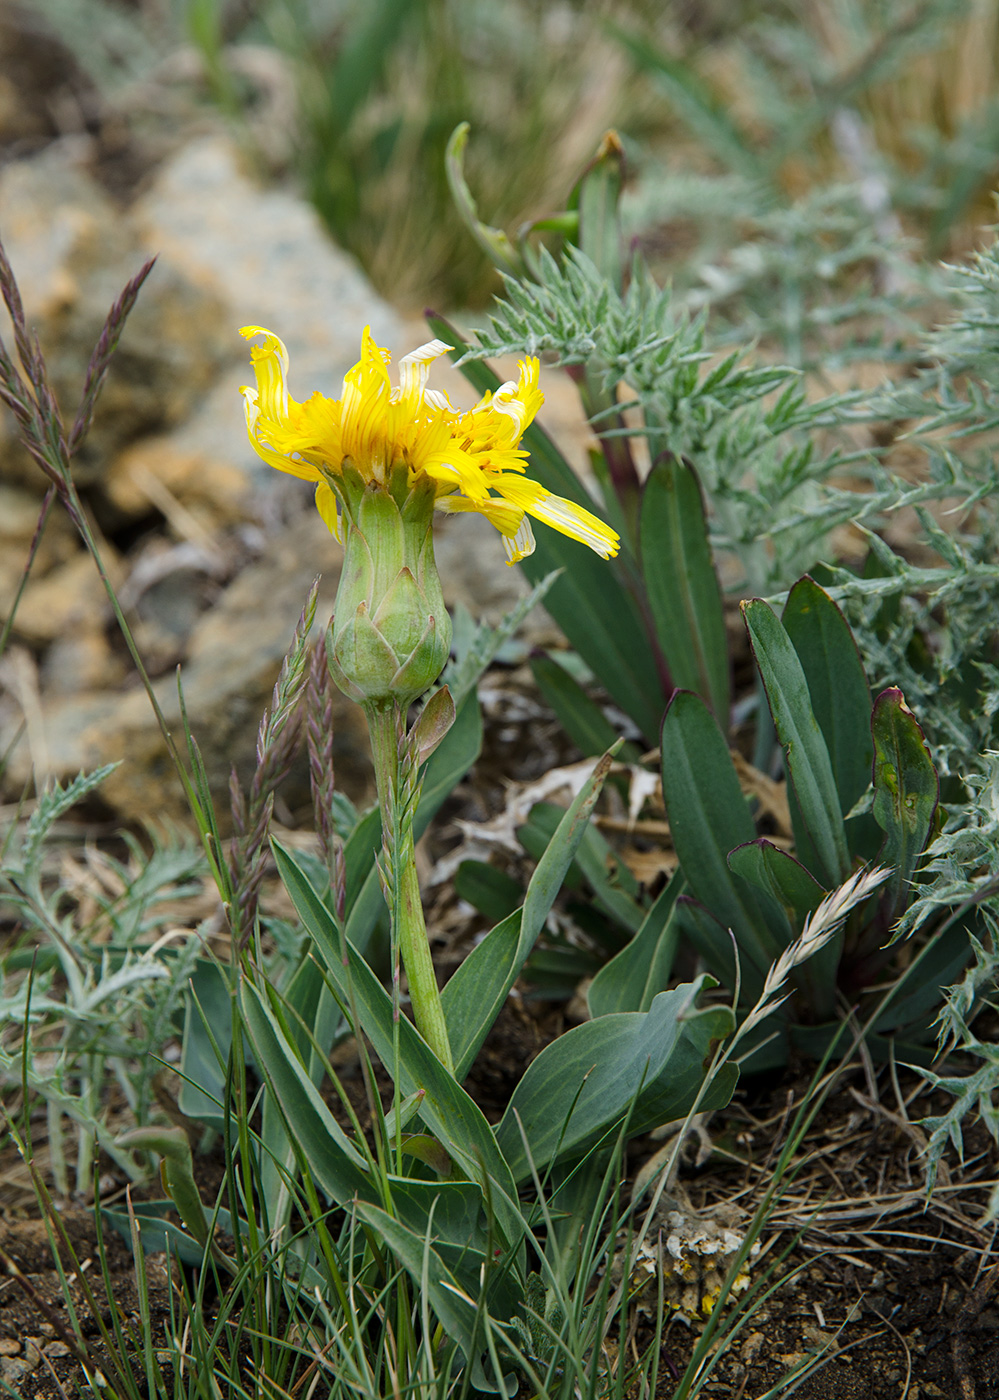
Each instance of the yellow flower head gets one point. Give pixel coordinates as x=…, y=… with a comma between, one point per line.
x=473, y=458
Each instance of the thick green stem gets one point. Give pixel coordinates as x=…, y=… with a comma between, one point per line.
x=386, y=726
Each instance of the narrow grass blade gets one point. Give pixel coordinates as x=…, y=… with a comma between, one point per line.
x=472, y=999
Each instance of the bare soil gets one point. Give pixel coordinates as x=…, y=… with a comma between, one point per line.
x=896, y=1293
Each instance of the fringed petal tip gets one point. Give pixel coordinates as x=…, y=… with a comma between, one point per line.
x=520, y=545
x=248, y=332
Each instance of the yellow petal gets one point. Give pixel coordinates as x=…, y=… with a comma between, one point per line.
x=506, y=518
x=293, y=466
x=328, y=507
x=270, y=364
x=562, y=515
x=413, y=371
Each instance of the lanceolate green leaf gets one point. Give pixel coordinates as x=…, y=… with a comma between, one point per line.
x=614, y=887
x=682, y=584
x=457, y=1207
x=494, y=893
x=648, y=1067
x=905, y=788
x=708, y=816
x=769, y=868
x=473, y=997
x=207, y=1019
x=837, y=685
x=336, y=1164
x=600, y=619
x=360, y=849
x=641, y=970
x=805, y=752
x=451, y=1296
x=311, y=1004
x=446, y=1109
x=588, y=601
x=581, y=718
x=716, y=945
x=158, y=1235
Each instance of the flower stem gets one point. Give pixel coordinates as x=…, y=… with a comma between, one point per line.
x=395, y=775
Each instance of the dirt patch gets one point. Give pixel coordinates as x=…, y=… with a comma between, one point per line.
x=896, y=1293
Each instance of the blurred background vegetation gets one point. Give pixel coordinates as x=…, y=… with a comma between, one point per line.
x=732, y=115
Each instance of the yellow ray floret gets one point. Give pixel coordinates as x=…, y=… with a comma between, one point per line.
x=473, y=458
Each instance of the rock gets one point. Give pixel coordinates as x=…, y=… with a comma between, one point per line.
x=66, y=599
x=40, y=80
x=266, y=254
x=213, y=489
x=72, y=252
x=13, y=1371
x=18, y=522
x=264, y=258
x=82, y=660
x=234, y=654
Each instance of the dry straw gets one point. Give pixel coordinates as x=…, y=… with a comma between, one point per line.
x=820, y=926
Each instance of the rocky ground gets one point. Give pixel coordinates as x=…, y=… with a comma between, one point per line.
x=213, y=554
x=211, y=550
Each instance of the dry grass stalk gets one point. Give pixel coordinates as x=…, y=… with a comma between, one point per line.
x=819, y=927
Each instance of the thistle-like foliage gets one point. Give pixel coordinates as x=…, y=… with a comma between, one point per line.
x=973, y=1093
x=277, y=743
x=103, y=998
x=735, y=419
x=931, y=630
x=962, y=866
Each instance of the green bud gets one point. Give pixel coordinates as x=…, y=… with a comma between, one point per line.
x=391, y=633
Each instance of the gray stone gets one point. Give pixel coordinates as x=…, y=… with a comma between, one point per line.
x=234, y=655
x=267, y=256
x=72, y=252
x=19, y=512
